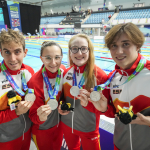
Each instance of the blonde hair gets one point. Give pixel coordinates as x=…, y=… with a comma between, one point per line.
x=89, y=76
x=12, y=36
x=130, y=29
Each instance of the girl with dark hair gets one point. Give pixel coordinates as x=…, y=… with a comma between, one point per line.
x=47, y=83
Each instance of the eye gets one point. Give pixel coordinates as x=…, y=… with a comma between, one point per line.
x=17, y=52
x=126, y=44
x=7, y=52
x=57, y=57
x=84, y=48
x=74, y=48
x=113, y=46
x=48, y=58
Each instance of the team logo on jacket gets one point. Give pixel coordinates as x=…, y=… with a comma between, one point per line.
x=69, y=78
x=116, y=91
x=6, y=86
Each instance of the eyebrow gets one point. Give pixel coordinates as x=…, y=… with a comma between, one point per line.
x=5, y=49
x=122, y=41
x=51, y=56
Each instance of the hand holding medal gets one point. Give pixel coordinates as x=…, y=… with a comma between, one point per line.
x=101, y=103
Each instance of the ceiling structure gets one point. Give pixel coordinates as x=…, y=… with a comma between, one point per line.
x=53, y=2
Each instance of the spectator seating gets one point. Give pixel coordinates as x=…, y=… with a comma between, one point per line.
x=97, y=17
x=133, y=14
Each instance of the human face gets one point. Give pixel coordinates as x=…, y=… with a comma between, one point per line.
x=52, y=52
x=79, y=59
x=13, y=54
x=123, y=51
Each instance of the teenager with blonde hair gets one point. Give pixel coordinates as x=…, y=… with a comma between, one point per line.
x=81, y=124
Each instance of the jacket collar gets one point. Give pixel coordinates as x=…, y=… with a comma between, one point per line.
x=128, y=72
x=50, y=74
x=14, y=72
x=79, y=69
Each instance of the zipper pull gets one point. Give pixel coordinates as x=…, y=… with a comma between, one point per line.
x=78, y=70
x=121, y=78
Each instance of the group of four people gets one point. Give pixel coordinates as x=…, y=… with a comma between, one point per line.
x=53, y=86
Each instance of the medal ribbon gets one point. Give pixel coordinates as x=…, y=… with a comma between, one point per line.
x=140, y=66
x=52, y=94
x=81, y=81
x=13, y=83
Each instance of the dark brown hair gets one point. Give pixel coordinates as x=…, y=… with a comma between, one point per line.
x=49, y=43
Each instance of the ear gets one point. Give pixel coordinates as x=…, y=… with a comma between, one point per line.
x=1, y=52
x=41, y=59
x=138, y=49
x=25, y=52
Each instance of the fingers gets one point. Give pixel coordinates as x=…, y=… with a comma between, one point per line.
x=103, y=98
x=62, y=112
x=44, y=109
x=117, y=116
x=91, y=89
x=141, y=116
x=83, y=100
x=24, y=105
x=85, y=92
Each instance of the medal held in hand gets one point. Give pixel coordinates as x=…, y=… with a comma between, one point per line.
x=95, y=96
x=52, y=94
x=53, y=104
x=75, y=90
x=30, y=97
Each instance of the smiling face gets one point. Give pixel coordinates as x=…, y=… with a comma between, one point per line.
x=123, y=51
x=51, y=57
x=79, y=59
x=13, y=54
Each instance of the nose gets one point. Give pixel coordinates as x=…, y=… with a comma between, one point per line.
x=79, y=52
x=53, y=61
x=12, y=57
x=119, y=50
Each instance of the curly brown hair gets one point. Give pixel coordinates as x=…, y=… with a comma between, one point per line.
x=11, y=35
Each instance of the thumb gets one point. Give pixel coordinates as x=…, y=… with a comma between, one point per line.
x=91, y=89
x=141, y=116
x=103, y=97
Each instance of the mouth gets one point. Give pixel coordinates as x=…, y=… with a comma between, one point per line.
x=79, y=58
x=52, y=67
x=13, y=64
x=121, y=58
